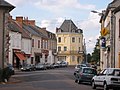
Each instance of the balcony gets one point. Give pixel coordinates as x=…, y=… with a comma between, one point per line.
x=69, y=52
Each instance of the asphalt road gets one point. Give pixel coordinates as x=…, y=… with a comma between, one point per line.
x=53, y=79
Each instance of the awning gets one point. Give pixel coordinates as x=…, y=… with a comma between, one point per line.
x=20, y=55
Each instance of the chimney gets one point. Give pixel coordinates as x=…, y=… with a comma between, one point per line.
x=43, y=28
x=19, y=19
x=31, y=22
x=25, y=20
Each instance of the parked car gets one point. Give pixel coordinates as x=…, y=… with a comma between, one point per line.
x=56, y=65
x=11, y=68
x=78, y=66
x=47, y=65
x=108, y=79
x=40, y=66
x=84, y=74
x=63, y=64
x=28, y=67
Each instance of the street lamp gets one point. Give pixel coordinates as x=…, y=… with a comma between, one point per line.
x=99, y=13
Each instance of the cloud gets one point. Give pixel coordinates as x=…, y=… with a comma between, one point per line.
x=45, y=23
x=16, y=2
x=91, y=29
x=92, y=23
x=52, y=24
x=61, y=5
x=53, y=4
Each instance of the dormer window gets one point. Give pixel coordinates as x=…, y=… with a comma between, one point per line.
x=73, y=30
x=78, y=31
x=59, y=30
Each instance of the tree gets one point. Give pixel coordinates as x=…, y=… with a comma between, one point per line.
x=89, y=57
x=96, y=53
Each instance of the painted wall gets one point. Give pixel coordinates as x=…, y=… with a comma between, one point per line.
x=15, y=43
x=117, y=40
x=26, y=47
x=72, y=48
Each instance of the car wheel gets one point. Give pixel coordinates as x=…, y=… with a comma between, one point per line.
x=105, y=86
x=93, y=85
x=76, y=80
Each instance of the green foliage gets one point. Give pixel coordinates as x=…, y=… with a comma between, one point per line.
x=96, y=55
x=89, y=57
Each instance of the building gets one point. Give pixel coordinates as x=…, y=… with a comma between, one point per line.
x=5, y=8
x=110, y=49
x=43, y=42
x=69, y=43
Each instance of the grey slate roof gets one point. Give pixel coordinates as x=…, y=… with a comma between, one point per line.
x=24, y=34
x=13, y=27
x=6, y=5
x=68, y=26
x=44, y=32
x=51, y=35
x=36, y=29
x=114, y=3
x=30, y=30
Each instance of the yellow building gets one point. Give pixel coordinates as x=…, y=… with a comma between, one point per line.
x=70, y=43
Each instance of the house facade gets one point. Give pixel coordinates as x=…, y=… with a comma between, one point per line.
x=110, y=56
x=43, y=42
x=70, y=43
x=5, y=8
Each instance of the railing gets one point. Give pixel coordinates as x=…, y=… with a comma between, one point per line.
x=70, y=52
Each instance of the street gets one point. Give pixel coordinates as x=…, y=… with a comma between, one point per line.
x=53, y=79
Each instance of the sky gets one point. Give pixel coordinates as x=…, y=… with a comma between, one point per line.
x=52, y=13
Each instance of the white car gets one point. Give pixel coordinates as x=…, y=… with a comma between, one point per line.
x=108, y=78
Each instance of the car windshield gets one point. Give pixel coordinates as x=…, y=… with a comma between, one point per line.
x=82, y=65
x=89, y=71
x=116, y=72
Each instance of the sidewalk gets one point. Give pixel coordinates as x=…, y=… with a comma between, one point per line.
x=13, y=80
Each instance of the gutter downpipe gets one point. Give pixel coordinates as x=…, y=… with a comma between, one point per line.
x=113, y=21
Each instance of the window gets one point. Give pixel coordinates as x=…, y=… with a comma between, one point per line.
x=65, y=48
x=79, y=40
x=73, y=58
x=73, y=39
x=59, y=39
x=79, y=48
x=64, y=39
x=59, y=48
x=41, y=43
x=38, y=43
x=119, y=28
x=32, y=42
x=73, y=30
x=31, y=60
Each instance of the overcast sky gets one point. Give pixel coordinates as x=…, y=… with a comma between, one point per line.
x=51, y=13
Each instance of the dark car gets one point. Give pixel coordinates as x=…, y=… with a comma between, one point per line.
x=56, y=65
x=11, y=68
x=28, y=68
x=78, y=66
x=40, y=66
x=85, y=74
